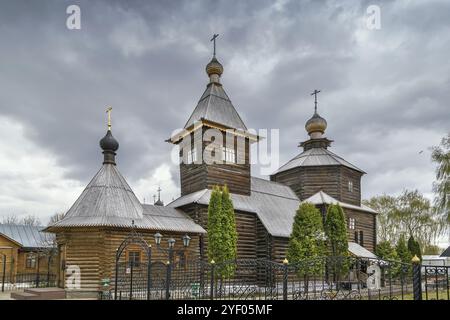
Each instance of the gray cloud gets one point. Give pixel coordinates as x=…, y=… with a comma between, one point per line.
x=384, y=93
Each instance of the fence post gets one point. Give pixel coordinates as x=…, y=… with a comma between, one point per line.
x=48, y=270
x=168, y=276
x=417, y=278
x=211, y=292
x=285, y=279
x=131, y=279
x=4, y=273
x=38, y=270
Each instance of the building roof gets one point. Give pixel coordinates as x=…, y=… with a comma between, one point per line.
x=275, y=204
x=360, y=251
x=169, y=219
x=446, y=253
x=323, y=198
x=316, y=157
x=215, y=106
x=108, y=201
x=27, y=236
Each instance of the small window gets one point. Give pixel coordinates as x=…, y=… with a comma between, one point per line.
x=351, y=223
x=134, y=258
x=361, y=238
x=191, y=156
x=350, y=186
x=30, y=261
x=228, y=155
x=356, y=237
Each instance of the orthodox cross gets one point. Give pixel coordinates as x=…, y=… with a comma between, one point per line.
x=315, y=99
x=159, y=193
x=214, y=41
x=108, y=111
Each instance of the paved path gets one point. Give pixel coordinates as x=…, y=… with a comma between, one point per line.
x=6, y=295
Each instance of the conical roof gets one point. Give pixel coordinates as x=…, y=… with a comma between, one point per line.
x=316, y=157
x=107, y=201
x=216, y=106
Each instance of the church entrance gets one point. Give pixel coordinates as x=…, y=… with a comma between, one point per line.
x=132, y=276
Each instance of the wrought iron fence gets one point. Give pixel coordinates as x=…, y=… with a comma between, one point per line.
x=436, y=282
x=327, y=278
x=20, y=281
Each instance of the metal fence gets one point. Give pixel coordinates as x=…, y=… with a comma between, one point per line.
x=26, y=280
x=435, y=282
x=327, y=278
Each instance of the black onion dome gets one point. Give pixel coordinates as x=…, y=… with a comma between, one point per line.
x=109, y=143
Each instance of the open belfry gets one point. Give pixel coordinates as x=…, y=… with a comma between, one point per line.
x=214, y=151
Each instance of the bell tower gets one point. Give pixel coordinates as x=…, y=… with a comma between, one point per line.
x=214, y=143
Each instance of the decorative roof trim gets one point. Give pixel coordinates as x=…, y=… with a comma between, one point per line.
x=176, y=138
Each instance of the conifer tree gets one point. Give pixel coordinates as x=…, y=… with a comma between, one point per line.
x=336, y=231
x=307, y=242
x=414, y=248
x=222, y=235
x=403, y=253
x=229, y=233
x=214, y=235
x=337, y=241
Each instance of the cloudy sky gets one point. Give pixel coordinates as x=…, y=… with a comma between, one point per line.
x=385, y=92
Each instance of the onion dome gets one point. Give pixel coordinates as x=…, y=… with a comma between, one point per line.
x=214, y=69
x=316, y=126
x=108, y=142
x=109, y=145
x=159, y=202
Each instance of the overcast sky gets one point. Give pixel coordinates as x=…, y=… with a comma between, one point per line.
x=385, y=92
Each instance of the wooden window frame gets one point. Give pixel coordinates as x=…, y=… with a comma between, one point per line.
x=139, y=252
x=33, y=260
x=352, y=223
x=228, y=155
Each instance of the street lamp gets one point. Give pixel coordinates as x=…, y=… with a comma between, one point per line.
x=158, y=238
x=186, y=240
x=170, y=252
x=171, y=243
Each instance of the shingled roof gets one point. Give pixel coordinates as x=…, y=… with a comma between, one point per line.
x=215, y=106
x=108, y=201
x=27, y=236
x=316, y=157
x=274, y=204
x=324, y=198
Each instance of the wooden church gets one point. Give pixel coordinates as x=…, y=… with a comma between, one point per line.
x=214, y=150
x=264, y=209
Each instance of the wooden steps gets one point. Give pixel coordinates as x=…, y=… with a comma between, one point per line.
x=39, y=294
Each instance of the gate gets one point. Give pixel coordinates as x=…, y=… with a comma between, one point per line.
x=133, y=279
